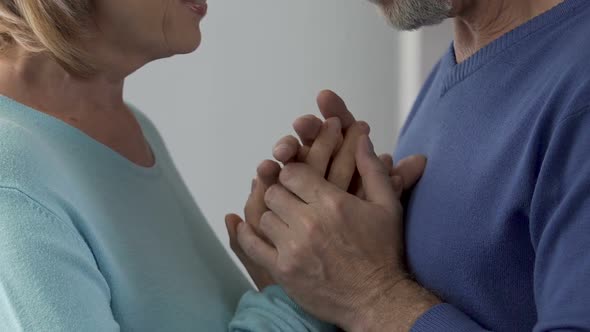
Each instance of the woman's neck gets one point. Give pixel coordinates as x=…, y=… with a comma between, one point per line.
x=94, y=105
x=39, y=79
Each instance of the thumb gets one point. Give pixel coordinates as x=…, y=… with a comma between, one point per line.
x=376, y=180
x=410, y=170
x=332, y=106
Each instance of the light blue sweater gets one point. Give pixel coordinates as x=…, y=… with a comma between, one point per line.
x=92, y=242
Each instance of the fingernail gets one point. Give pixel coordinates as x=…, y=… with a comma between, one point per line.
x=334, y=123
x=281, y=150
x=253, y=187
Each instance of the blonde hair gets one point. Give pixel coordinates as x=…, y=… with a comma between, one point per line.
x=55, y=27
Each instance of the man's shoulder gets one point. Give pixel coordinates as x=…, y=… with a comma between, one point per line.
x=560, y=46
x=555, y=63
x=571, y=44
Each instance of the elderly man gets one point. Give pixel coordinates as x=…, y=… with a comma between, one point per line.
x=495, y=234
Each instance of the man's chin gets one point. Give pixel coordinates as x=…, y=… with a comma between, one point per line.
x=408, y=15
x=411, y=26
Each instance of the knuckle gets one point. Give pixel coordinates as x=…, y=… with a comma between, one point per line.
x=266, y=220
x=249, y=249
x=245, y=245
x=327, y=144
x=336, y=204
x=355, y=129
x=297, y=252
x=311, y=228
x=286, y=268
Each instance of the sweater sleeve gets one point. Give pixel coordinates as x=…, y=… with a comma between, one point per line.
x=559, y=228
x=272, y=311
x=49, y=280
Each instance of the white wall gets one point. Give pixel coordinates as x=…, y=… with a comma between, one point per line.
x=434, y=42
x=260, y=66
x=419, y=52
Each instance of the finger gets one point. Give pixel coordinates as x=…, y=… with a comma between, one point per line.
x=306, y=183
x=359, y=190
x=286, y=149
x=397, y=184
x=255, y=206
x=410, y=169
x=259, y=276
x=303, y=152
x=231, y=224
x=256, y=248
x=288, y=207
x=274, y=229
x=325, y=145
x=387, y=161
x=268, y=173
x=343, y=166
x=331, y=105
x=376, y=180
x=307, y=128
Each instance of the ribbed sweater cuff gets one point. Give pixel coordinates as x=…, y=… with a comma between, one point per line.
x=445, y=318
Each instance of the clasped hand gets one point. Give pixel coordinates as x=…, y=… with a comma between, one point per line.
x=328, y=225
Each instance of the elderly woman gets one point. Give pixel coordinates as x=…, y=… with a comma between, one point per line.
x=97, y=229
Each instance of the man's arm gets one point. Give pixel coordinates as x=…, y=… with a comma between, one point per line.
x=336, y=258
x=272, y=309
x=335, y=241
x=560, y=226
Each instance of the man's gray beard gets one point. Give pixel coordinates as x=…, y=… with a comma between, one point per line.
x=413, y=14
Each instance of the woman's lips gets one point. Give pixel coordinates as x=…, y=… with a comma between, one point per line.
x=200, y=8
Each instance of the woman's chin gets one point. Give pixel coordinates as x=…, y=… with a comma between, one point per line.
x=192, y=48
x=189, y=46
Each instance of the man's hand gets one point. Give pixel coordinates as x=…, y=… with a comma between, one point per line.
x=342, y=169
x=340, y=257
x=327, y=142
x=256, y=212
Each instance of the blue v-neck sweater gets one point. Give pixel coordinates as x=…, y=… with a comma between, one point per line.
x=499, y=225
